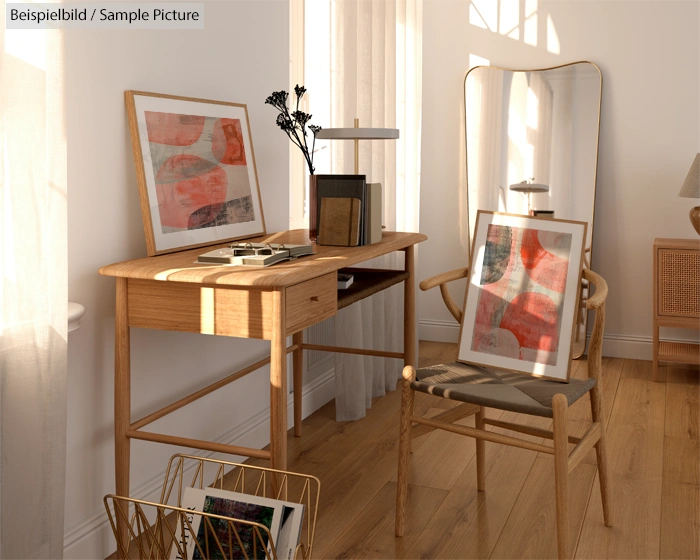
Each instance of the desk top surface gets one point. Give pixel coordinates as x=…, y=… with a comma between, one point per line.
x=182, y=266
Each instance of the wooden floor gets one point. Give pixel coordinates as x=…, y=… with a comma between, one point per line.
x=652, y=451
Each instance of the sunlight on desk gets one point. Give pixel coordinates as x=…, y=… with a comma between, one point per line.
x=206, y=311
x=166, y=273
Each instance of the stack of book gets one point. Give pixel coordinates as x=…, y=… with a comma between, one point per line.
x=283, y=519
x=345, y=280
x=349, y=210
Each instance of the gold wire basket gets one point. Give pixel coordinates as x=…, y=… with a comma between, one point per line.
x=150, y=530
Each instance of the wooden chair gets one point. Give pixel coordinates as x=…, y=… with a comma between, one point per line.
x=512, y=392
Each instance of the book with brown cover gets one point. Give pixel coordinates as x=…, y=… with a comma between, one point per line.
x=339, y=223
x=344, y=186
x=375, y=213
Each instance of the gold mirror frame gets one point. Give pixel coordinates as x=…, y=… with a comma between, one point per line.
x=579, y=343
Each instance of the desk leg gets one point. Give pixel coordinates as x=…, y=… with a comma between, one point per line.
x=409, y=311
x=278, y=385
x=122, y=398
x=298, y=372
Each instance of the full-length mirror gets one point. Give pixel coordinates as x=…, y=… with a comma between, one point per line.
x=532, y=147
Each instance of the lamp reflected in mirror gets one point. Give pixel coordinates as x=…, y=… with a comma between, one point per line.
x=529, y=187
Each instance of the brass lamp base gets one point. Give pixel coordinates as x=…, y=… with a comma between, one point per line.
x=695, y=218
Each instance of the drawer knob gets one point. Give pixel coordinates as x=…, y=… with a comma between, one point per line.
x=314, y=298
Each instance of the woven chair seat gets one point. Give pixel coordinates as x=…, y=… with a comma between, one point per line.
x=489, y=387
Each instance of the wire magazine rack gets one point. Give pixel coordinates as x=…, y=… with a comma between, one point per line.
x=158, y=530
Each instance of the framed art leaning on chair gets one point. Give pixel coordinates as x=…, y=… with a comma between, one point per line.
x=514, y=353
x=523, y=293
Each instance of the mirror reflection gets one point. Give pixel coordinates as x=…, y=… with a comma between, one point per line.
x=532, y=146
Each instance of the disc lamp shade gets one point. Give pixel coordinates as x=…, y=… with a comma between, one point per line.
x=691, y=189
x=356, y=133
x=529, y=188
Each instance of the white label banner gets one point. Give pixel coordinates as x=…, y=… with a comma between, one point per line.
x=102, y=15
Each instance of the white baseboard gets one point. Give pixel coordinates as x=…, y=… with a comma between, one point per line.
x=438, y=331
x=632, y=346
x=92, y=538
x=626, y=346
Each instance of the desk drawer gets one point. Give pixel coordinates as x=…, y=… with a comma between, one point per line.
x=312, y=301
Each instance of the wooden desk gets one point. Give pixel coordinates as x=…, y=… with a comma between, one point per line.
x=170, y=292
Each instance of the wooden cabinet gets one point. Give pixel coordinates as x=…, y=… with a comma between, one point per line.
x=676, y=298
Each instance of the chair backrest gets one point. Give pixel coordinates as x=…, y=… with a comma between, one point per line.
x=521, y=302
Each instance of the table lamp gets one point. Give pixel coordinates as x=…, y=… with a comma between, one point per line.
x=691, y=189
x=528, y=187
x=358, y=134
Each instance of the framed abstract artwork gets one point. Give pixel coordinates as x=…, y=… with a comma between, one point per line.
x=196, y=171
x=523, y=294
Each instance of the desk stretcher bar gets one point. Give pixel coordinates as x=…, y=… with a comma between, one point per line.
x=203, y=392
x=367, y=283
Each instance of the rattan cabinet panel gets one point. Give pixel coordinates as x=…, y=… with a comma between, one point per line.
x=676, y=298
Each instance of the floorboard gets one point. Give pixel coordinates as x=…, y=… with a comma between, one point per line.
x=532, y=523
x=635, y=463
x=371, y=534
x=654, y=465
x=654, y=497
x=682, y=396
x=680, y=506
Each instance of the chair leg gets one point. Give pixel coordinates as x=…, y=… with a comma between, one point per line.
x=601, y=453
x=561, y=473
x=409, y=374
x=480, y=452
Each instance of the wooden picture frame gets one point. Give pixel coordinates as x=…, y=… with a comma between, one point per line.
x=196, y=172
x=522, y=294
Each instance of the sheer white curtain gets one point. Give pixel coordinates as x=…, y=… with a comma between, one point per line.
x=540, y=134
x=376, y=59
x=561, y=174
x=484, y=122
x=33, y=294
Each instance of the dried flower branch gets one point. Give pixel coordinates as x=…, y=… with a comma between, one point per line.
x=294, y=124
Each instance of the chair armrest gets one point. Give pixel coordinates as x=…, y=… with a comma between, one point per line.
x=444, y=277
x=441, y=280
x=596, y=303
x=601, y=289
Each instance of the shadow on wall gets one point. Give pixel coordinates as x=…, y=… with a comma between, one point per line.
x=520, y=20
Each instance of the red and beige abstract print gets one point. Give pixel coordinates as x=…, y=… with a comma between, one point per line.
x=521, y=294
x=201, y=171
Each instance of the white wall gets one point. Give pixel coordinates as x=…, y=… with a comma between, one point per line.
x=242, y=55
x=649, y=54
